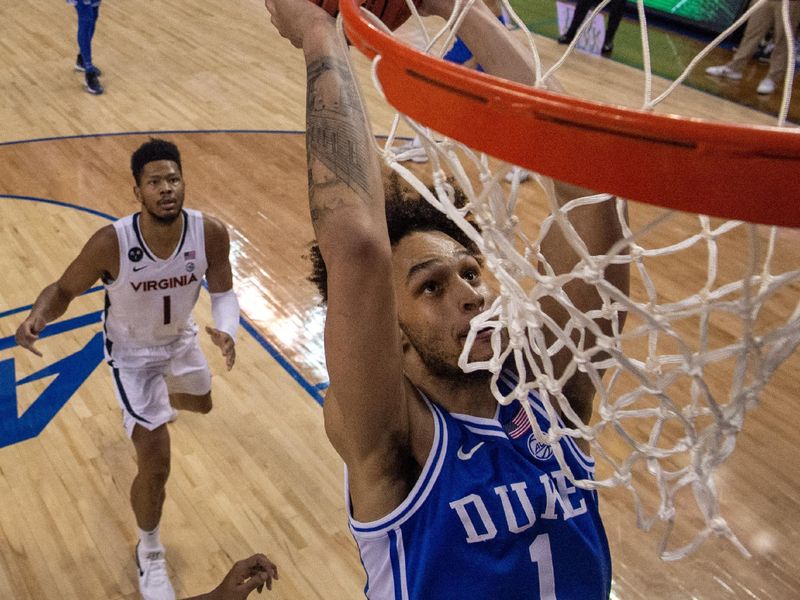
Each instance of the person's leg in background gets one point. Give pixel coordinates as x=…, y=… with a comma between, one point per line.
x=780, y=53
x=616, y=8
x=87, y=23
x=581, y=10
x=758, y=24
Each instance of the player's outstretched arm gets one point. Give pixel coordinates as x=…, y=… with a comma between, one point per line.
x=494, y=48
x=599, y=228
x=254, y=572
x=502, y=54
x=364, y=408
x=99, y=257
x=219, y=276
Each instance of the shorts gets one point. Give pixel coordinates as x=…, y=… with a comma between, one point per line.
x=145, y=377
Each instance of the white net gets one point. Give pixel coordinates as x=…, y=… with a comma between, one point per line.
x=712, y=311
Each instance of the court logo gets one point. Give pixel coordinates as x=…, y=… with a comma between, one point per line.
x=135, y=254
x=538, y=450
x=64, y=377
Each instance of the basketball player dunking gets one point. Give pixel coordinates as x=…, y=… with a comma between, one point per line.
x=449, y=496
x=152, y=264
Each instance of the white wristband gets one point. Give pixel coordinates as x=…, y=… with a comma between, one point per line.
x=225, y=311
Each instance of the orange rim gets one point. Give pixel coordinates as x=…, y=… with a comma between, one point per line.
x=740, y=172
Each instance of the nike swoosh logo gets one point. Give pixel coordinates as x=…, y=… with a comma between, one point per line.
x=467, y=455
x=139, y=268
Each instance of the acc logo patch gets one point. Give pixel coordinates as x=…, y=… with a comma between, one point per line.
x=539, y=450
x=135, y=254
x=189, y=267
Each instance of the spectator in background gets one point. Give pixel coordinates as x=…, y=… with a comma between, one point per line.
x=88, y=11
x=615, y=10
x=768, y=15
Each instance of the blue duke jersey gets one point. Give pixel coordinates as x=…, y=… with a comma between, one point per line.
x=492, y=516
x=150, y=302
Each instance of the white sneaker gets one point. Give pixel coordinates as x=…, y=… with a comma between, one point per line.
x=522, y=174
x=724, y=71
x=411, y=151
x=767, y=86
x=154, y=582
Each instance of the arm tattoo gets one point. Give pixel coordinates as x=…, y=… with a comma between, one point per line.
x=337, y=137
x=319, y=208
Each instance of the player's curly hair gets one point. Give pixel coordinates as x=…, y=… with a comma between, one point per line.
x=406, y=212
x=154, y=149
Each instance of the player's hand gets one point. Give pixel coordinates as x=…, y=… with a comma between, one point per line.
x=245, y=576
x=294, y=19
x=225, y=343
x=28, y=332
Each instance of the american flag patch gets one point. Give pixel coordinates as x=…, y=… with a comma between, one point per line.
x=519, y=425
x=188, y=255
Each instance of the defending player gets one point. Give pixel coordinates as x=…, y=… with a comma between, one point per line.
x=253, y=573
x=448, y=495
x=152, y=264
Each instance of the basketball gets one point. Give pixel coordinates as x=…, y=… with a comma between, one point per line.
x=392, y=13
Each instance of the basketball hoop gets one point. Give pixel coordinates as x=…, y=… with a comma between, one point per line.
x=540, y=130
x=675, y=392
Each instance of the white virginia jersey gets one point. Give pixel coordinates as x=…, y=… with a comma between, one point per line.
x=492, y=516
x=150, y=302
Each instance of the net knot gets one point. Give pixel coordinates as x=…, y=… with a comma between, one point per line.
x=532, y=313
x=590, y=274
x=667, y=513
x=694, y=370
x=719, y=526
x=581, y=360
x=552, y=386
x=548, y=284
x=625, y=478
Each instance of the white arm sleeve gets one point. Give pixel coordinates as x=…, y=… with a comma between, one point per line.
x=225, y=310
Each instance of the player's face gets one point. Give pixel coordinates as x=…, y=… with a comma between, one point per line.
x=161, y=190
x=439, y=289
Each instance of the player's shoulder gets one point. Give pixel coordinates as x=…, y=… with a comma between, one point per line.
x=104, y=239
x=210, y=221
x=214, y=230
x=101, y=250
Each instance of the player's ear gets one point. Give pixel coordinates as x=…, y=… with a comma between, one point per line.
x=137, y=193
